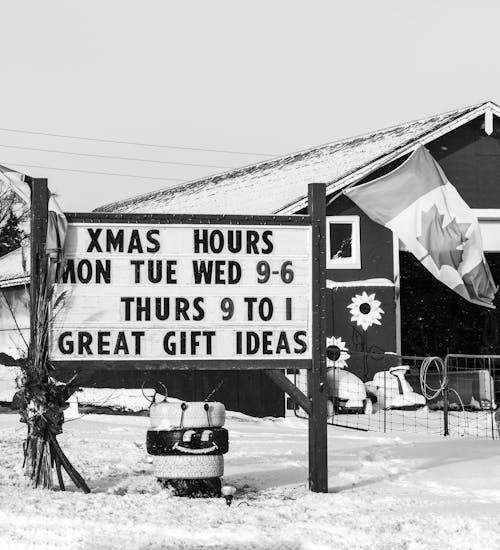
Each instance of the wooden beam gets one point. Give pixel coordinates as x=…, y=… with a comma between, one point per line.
x=316, y=377
x=284, y=383
x=39, y=214
x=181, y=364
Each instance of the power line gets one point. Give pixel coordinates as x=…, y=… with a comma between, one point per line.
x=94, y=172
x=136, y=143
x=114, y=157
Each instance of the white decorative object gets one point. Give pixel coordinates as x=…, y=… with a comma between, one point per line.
x=71, y=413
x=228, y=492
x=393, y=391
x=346, y=389
x=365, y=310
x=184, y=415
x=338, y=343
x=188, y=467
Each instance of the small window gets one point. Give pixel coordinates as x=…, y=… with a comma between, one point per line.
x=342, y=242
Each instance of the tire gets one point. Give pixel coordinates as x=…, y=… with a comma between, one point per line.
x=196, y=441
x=182, y=415
x=194, y=488
x=188, y=467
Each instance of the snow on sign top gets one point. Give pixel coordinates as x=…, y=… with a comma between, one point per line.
x=182, y=292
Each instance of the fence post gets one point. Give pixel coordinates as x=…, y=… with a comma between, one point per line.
x=385, y=404
x=492, y=397
x=445, y=397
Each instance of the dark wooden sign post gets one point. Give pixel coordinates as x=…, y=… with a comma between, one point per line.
x=316, y=380
x=315, y=403
x=38, y=221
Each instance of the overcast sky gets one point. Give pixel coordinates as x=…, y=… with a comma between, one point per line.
x=268, y=77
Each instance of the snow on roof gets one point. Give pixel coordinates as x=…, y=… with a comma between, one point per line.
x=15, y=267
x=280, y=185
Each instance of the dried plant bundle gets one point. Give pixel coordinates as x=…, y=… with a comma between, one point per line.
x=41, y=399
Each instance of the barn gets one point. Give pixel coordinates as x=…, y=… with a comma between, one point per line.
x=415, y=314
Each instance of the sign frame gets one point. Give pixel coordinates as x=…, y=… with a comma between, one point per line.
x=186, y=364
x=315, y=403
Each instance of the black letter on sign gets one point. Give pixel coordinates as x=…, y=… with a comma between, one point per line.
x=84, y=341
x=69, y=272
x=282, y=343
x=209, y=334
x=84, y=271
x=137, y=271
x=128, y=302
x=135, y=244
x=137, y=335
x=266, y=237
x=252, y=240
x=102, y=343
x=200, y=240
x=65, y=347
x=167, y=346
x=198, y=305
x=114, y=242
x=300, y=339
x=103, y=273
x=94, y=236
x=151, y=236
x=121, y=344
x=216, y=245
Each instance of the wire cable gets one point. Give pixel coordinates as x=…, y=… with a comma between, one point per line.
x=121, y=175
x=114, y=157
x=441, y=371
x=136, y=143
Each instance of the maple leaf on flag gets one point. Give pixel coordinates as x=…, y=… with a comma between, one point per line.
x=444, y=244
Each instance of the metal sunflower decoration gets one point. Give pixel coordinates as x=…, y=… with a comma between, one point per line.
x=365, y=310
x=340, y=353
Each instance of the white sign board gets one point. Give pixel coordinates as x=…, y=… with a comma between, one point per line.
x=182, y=292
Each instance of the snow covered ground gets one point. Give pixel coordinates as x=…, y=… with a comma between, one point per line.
x=409, y=491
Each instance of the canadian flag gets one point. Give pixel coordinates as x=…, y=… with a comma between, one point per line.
x=423, y=209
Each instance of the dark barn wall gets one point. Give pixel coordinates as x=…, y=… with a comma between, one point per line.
x=471, y=161
x=434, y=319
x=376, y=263
x=376, y=245
x=249, y=392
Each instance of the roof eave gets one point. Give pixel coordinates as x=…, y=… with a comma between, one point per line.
x=16, y=281
x=351, y=179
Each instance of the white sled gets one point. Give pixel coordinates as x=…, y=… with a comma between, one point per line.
x=390, y=390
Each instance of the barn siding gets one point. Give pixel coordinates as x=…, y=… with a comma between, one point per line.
x=471, y=161
x=376, y=263
x=249, y=392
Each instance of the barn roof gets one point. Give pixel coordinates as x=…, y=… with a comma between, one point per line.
x=280, y=185
x=15, y=267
